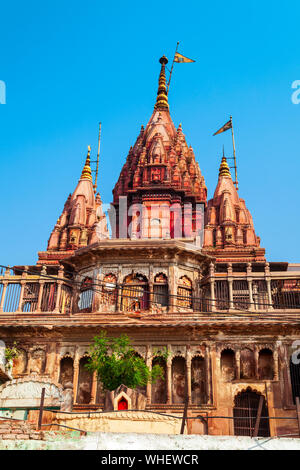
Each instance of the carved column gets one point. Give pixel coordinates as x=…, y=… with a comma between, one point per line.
x=59, y=284
x=189, y=376
x=119, y=290
x=276, y=367
x=94, y=388
x=212, y=287
x=169, y=379
x=172, y=289
x=149, y=364
x=249, y=279
x=269, y=290
x=208, y=375
x=256, y=356
x=76, y=375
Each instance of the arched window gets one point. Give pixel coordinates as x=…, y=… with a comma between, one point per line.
x=198, y=381
x=247, y=364
x=86, y=294
x=228, y=365
x=295, y=378
x=159, y=388
x=245, y=412
x=265, y=364
x=109, y=289
x=135, y=293
x=66, y=370
x=85, y=379
x=178, y=380
x=161, y=290
x=185, y=293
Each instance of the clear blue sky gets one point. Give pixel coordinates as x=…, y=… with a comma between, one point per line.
x=68, y=65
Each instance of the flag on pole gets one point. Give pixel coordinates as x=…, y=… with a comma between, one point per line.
x=224, y=128
x=181, y=58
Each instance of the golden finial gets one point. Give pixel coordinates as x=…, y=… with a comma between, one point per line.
x=87, y=172
x=162, y=96
x=224, y=168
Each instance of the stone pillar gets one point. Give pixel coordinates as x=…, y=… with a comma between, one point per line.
x=189, y=376
x=249, y=279
x=256, y=356
x=230, y=288
x=76, y=375
x=5, y=284
x=23, y=283
x=172, y=289
x=208, y=375
x=119, y=290
x=39, y=302
x=276, y=367
x=169, y=380
x=149, y=364
x=230, y=285
x=94, y=388
x=212, y=287
x=238, y=364
x=58, y=294
x=268, y=281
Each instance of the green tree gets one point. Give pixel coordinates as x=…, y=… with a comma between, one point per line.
x=116, y=363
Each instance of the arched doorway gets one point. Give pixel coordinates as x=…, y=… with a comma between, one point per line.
x=122, y=404
x=245, y=412
x=295, y=379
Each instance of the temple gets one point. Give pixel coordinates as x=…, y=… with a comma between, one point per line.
x=172, y=270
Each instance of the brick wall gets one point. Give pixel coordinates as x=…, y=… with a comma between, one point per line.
x=20, y=430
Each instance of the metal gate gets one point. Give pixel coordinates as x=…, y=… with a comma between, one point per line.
x=245, y=413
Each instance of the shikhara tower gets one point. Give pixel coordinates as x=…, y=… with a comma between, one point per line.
x=177, y=271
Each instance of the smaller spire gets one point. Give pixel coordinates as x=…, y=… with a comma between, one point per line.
x=87, y=172
x=224, y=168
x=162, y=96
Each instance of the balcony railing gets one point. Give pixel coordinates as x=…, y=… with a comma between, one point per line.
x=27, y=291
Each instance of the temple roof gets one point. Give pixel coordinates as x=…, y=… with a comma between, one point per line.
x=160, y=157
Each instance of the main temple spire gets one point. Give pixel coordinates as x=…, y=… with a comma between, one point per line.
x=224, y=168
x=87, y=172
x=162, y=96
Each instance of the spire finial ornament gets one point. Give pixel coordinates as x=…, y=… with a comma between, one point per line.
x=224, y=168
x=87, y=172
x=162, y=96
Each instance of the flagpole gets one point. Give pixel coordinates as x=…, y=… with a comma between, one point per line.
x=98, y=153
x=172, y=67
x=234, y=157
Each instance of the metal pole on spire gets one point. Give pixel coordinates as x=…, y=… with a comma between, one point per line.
x=172, y=67
x=98, y=154
x=234, y=157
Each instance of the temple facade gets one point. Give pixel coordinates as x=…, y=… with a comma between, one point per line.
x=170, y=269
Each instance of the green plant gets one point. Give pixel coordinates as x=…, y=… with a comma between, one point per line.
x=116, y=363
x=11, y=353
